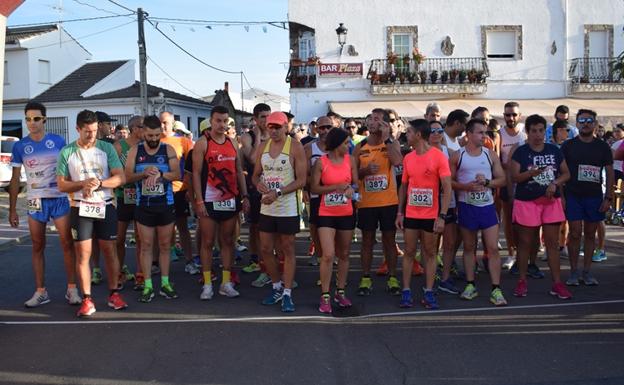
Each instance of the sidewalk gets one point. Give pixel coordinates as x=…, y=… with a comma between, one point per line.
x=10, y=236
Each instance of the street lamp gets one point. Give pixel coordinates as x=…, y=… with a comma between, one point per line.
x=341, y=31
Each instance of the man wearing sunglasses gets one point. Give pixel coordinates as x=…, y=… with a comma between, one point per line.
x=586, y=204
x=562, y=114
x=38, y=153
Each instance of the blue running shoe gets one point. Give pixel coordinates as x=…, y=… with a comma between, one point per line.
x=448, y=286
x=406, y=299
x=513, y=270
x=288, y=306
x=599, y=256
x=429, y=301
x=275, y=296
x=534, y=271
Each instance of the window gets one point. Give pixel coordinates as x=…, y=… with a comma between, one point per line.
x=400, y=40
x=501, y=41
x=121, y=119
x=598, y=40
x=6, y=72
x=58, y=126
x=199, y=120
x=306, y=46
x=44, y=71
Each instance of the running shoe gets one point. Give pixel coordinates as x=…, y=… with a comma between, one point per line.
x=234, y=278
x=325, y=305
x=588, y=279
x=86, y=308
x=497, y=298
x=168, y=292
x=599, y=256
x=398, y=250
x=155, y=268
x=72, y=296
x=521, y=289
x=132, y=240
x=147, y=295
x=560, y=291
x=251, y=268
x=173, y=254
x=514, y=269
x=508, y=262
x=382, y=269
x=313, y=261
x=448, y=286
x=366, y=286
x=393, y=286
x=191, y=268
x=139, y=282
x=288, y=306
x=574, y=278
x=311, y=249
x=534, y=271
x=262, y=280
x=563, y=252
x=240, y=247
x=177, y=248
x=275, y=296
x=456, y=273
x=38, y=299
x=206, y=293
x=417, y=268
x=429, y=300
x=470, y=292
x=406, y=299
x=227, y=289
x=116, y=302
x=121, y=281
x=127, y=273
x=96, y=276
x=439, y=261
x=341, y=299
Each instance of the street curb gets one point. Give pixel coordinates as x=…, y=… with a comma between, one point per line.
x=15, y=241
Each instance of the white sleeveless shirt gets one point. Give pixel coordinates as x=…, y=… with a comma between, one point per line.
x=277, y=173
x=468, y=167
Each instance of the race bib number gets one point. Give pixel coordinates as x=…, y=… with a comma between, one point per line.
x=421, y=197
x=479, y=198
x=130, y=196
x=273, y=182
x=226, y=205
x=545, y=178
x=34, y=205
x=335, y=199
x=95, y=210
x=587, y=173
x=155, y=190
x=375, y=183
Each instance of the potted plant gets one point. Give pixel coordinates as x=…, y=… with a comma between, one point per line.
x=417, y=56
x=472, y=76
x=402, y=78
x=453, y=75
x=312, y=81
x=462, y=75
x=296, y=62
x=433, y=76
x=444, y=77
x=406, y=60
x=423, y=77
x=391, y=57
x=412, y=77
x=392, y=78
x=314, y=60
x=480, y=76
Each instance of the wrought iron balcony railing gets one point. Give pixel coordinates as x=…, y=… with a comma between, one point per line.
x=428, y=71
x=593, y=70
x=301, y=74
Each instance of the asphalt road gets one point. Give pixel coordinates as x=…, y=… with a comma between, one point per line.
x=535, y=340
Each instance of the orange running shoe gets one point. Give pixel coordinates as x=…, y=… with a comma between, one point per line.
x=383, y=269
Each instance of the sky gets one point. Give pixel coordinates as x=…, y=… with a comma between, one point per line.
x=260, y=55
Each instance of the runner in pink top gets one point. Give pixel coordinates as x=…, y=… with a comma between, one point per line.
x=334, y=178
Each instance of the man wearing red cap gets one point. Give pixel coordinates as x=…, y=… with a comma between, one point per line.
x=279, y=172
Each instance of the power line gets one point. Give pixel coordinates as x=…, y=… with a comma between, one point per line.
x=190, y=54
x=85, y=36
x=225, y=23
x=172, y=78
x=122, y=6
x=68, y=21
x=94, y=7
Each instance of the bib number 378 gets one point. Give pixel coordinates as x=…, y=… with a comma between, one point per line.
x=95, y=210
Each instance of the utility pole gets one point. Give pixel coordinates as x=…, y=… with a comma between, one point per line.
x=142, y=62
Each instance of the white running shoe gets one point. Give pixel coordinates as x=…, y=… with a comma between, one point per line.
x=227, y=289
x=206, y=293
x=72, y=296
x=38, y=299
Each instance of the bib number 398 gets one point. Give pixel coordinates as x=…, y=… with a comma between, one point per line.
x=226, y=205
x=95, y=210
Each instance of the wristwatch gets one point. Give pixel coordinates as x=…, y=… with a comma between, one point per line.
x=278, y=192
x=442, y=216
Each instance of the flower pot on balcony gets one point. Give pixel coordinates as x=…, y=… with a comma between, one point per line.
x=462, y=76
x=423, y=77
x=444, y=77
x=402, y=78
x=472, y=76
x=312, y=81
x=453, y=76
x=433, y=76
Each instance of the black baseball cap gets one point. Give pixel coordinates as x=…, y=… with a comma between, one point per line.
x=104, y=117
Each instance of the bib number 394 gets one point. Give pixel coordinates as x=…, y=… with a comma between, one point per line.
x=95, y=210
x=588, y=173
x=226, y=205
x=421, y=197
x=34, y=205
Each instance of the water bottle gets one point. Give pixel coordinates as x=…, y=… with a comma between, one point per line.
x=356, y=195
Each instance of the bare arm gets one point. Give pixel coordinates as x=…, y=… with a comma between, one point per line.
x=394, y=153
x=199, y=151
x=174, y=165
x=13, y=191
x=498, y=174
x=131, y=176
x=301, y=168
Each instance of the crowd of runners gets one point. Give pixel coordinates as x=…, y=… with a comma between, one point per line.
x=445, y=183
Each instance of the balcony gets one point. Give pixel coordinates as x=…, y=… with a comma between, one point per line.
x=302, y=74
x=594, y=75
x=404, y=76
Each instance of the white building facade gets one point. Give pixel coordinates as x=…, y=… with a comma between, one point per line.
x=499, y=49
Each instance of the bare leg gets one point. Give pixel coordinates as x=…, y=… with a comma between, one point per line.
x=410, y=237
x=38, y=237
x=491, y=240
x=83, y=254
x=287, y=246
x=62, y=225
x=388, y=240
x=343, y=245
x=327, y=237
x=551, y=234
x=112, y=263
x=366, y=254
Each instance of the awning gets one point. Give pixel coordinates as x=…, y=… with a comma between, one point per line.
x=610, y=108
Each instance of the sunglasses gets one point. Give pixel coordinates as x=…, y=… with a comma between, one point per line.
x=437, y=130
x=393, y=120
x=34, y=118
x=586, y=120
x=512, y=114
x=350, y=127
x=274, y=126
x=325, y=127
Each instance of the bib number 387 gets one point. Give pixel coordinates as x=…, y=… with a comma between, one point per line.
x=375, y=183
x=95, y=210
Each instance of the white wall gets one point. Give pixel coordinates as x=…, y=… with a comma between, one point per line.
x=538, y=75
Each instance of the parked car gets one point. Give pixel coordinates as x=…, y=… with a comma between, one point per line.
x=6, y=171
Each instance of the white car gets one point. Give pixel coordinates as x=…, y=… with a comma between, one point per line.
x=6, y=171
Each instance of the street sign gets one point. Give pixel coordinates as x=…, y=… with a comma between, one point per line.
x=341, y=69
